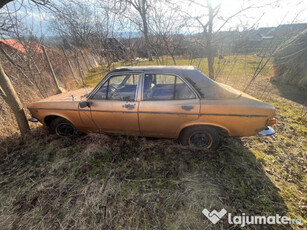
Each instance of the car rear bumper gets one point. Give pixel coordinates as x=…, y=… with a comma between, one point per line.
x=268, y=131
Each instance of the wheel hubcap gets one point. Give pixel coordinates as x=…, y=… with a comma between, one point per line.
x=65, y=130
x=200, y=140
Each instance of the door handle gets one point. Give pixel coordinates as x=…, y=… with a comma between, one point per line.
x=187, y=107
x=129, y=106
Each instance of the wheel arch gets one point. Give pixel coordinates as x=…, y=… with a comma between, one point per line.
x=51, y=117
x=222, y=130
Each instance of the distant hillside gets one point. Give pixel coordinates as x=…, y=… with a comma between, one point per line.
x=291, y=61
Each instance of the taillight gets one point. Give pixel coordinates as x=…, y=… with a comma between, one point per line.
x=271, y=122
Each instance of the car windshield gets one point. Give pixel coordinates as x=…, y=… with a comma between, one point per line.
x=96, y=87
x=209, y=89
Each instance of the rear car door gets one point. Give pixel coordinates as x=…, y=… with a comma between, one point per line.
x=114, y=106
x=168, y=103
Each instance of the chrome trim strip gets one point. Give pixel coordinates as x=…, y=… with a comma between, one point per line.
x=168, y=113
x=205, y=114
x=153, y=112
x=110, y=111
x=232, y=115
x=53, y=109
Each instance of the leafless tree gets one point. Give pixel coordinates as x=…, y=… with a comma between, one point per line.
x=168, y=28
x=8, y=92
x=211, y=23
x=142, y=8
x=73, y=20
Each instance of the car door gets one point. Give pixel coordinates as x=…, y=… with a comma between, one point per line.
x=114, y=106
x=168, y=102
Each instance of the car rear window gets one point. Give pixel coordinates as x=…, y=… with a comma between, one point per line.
x=207, y=88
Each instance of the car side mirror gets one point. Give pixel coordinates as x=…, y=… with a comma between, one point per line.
x=84, y=104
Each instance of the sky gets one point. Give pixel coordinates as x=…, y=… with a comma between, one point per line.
x=267, y=13
x=280, y=12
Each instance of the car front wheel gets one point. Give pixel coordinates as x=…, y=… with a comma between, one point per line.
x=201, y=137
x=62, y=127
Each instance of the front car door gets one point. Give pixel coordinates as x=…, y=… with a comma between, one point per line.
x=114, y=106
x=168, y=103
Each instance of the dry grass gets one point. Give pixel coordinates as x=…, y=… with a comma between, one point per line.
x=36, y=85
x=112, y=182
x=101, y=182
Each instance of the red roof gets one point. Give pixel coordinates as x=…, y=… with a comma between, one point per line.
x=17, y=45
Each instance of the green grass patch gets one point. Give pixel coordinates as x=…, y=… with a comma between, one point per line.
x=234, y=66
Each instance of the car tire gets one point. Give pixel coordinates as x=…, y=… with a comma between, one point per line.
x=201, y=137
x=62, y=127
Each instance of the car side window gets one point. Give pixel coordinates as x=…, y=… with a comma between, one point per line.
x=165, y=87
x=118, y=87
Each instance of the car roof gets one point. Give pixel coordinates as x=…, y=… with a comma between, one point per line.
x=155, y=68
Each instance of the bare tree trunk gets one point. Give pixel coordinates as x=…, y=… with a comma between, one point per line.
x=11, y=98
x=145, y=30
x=52, y=72
x=191, y=58
x=169, y=51
x=173, y=57
x=142, y=7
x=4, y=2
x=69, y=64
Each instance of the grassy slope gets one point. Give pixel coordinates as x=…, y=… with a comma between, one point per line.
x=98, y=181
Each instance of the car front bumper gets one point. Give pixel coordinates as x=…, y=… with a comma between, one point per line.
x=268, y=131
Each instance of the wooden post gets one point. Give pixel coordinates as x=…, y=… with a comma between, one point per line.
x=95, y=62
x=8, y=93
x=88, y=59
x=40, y=75
x=70, y=66
x=52, y=72
x=84, y=60
x=80, y=69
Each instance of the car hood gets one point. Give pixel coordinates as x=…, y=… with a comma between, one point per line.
x=76, y=95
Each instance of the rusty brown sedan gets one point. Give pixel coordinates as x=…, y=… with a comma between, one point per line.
x=161, y=101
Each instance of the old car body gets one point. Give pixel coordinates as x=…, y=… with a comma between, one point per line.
x=158, y=101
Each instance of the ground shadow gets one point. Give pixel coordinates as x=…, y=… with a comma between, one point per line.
x=52, y=182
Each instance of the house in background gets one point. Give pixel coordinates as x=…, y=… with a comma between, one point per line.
x=263, y=38
x=13, y=45
x=115, y=47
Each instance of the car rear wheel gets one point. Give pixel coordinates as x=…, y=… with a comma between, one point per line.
x=201, y=137
x=62, y=127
